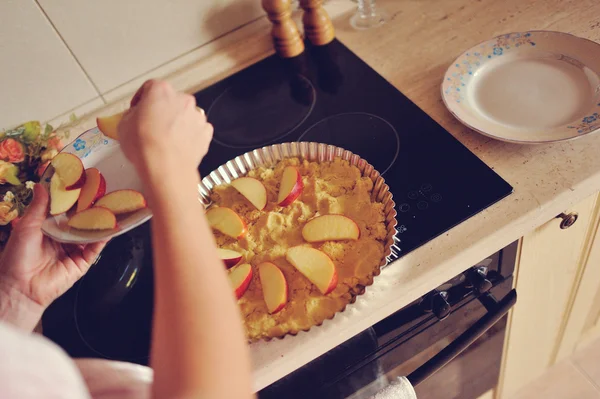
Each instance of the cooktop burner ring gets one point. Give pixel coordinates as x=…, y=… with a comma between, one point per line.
x=107, y=316
x=90, y=346
x=335, y=130
x=299, y=103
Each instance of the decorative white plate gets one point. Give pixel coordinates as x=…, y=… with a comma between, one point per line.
x=528, y=87
x=97, y=151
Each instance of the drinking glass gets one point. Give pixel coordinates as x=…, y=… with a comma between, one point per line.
x=368, y=15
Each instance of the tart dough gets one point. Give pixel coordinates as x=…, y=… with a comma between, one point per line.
x=334, y=187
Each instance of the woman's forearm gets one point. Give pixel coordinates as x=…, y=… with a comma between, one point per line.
x=198, y=346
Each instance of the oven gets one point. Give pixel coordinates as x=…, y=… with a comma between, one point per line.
x=448, y=343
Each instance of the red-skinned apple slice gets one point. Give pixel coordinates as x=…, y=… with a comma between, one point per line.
x=108, y=125
x=290, y=187
x=96, y=218
x=253, y=190
x=229, y=257
x=226, y=221
x=239, y=278
x=315, y=266
x=274, y=286
x=70, y=170
x=122, y=201
x=61, y=199
x=330, y=228
x=92, y=190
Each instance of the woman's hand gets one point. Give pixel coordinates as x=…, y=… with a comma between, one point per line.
x=35, y=270
x=163, y=133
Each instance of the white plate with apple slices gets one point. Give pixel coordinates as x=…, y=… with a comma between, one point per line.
x=95, y=192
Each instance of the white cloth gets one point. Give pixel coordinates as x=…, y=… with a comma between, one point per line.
x=399, y=388
x=33, y=367
x=108, y=379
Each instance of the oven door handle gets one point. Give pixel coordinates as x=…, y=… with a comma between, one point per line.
x=496, y=310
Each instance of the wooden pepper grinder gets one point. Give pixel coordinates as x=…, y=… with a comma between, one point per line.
x=317, y=25
x=286, y=36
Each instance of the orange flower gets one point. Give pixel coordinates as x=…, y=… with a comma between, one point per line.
x=12, y=151
x=6, y=215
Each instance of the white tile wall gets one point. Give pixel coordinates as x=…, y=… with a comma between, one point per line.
x=39, y=79
x=118, y=40
x=59, y=57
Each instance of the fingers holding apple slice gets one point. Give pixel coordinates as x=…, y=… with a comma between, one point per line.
x=274, y=286
x=330, y=228
x=96, y=218
x=108, y=125
x=290, y=187
x=315, y=266
x=229, y=257
x=226, y=221
x=253, y=190
x=239, y=278
x=70, y=170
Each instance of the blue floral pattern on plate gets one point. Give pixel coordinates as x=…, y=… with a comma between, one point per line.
x=91, y=141
x=588, y=123
x=465, y=66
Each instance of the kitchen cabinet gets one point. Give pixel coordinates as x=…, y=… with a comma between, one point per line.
x=558, y=283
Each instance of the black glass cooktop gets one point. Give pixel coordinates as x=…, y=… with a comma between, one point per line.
x=325, y=95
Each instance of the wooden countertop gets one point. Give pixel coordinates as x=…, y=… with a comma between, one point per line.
x=412, y=51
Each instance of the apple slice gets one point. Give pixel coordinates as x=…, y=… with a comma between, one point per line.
x=94, y=188
x=239, y=278
x=330, y=228
x=108, y=125
x=274, y=286
x=253, y=190
x=290, y=186
x=61, y=199
x=229, y=257
x=226, y=221
x=70, y=170
x=315, y=266
x=122, y=201
x=96, y=218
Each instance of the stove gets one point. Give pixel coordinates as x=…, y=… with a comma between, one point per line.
x=325, y=95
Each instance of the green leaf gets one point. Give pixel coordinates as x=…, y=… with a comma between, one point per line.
x=32, y=129
x=73, y=117
x=11, y=176
x=49, y=129
x=18, y=131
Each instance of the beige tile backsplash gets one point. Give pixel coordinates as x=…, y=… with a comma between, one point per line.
x=59, y=57
x=64, y=57
x=39, y=78
x=117, y=40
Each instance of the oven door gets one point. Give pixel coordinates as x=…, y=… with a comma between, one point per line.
x=371, y=360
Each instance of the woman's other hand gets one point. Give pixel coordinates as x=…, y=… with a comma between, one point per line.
x=163, y=133
x=35, y=270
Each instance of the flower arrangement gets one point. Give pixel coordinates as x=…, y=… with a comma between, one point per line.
x=25, y=153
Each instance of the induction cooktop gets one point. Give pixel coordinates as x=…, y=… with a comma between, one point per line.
x=326, y=95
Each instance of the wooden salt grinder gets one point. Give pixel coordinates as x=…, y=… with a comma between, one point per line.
x=286, y=37
x=317, y=25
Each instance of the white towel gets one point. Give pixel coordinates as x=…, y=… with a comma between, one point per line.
x=399, y=388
